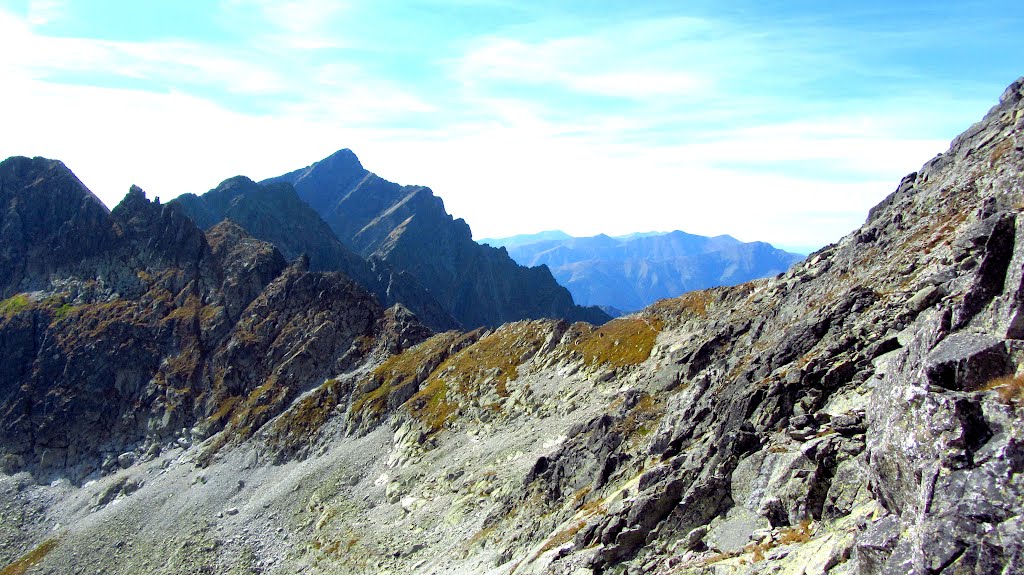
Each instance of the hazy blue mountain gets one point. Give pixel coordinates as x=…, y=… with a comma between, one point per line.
x=523, y=239
x=630, y=272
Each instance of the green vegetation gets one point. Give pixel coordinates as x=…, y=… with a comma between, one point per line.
x=253, y=410
x=193, y=307
x=496, y=356
x=642, y=419
x=562, y=537
x=408, y=368
x=15, y=305
x=431, y=406
x=787, y=535
x=1000, y=150
x=618, y=343
x=224, y=409
x=694, y=304
x=491, y=361
x=63, y=311
x=299, y=424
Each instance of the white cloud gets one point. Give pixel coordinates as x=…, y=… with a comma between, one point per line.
x=41, y=12
x=172, y=63
x=507, y=181
x=588, y=65
x=294, y=24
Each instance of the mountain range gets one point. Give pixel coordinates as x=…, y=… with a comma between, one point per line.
x=631, y=272
x=178, y=398
x=407, y=228
x=275, y=214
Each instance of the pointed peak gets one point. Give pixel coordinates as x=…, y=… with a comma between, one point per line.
x=23, y=172
x=301, y=264
x=343, y=156
x=134, y=200
x=19, y=165
x=235, y=183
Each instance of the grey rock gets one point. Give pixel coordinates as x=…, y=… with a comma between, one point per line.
x=126, y=460
x=876, y=543
x=927, y=297
x=296, y=382
x=966, y=361
x=735, y=531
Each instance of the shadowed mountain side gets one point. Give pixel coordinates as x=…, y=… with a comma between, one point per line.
x=275, y=213
x=50, y=222
x=408, y=228
x=159, y=332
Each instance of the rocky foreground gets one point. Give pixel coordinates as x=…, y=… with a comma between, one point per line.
x=181, y=402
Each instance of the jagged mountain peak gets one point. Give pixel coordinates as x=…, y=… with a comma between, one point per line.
x=49, y=222
x=407, y=228
x=342, y=159
x=275, y=213
x=20, y=172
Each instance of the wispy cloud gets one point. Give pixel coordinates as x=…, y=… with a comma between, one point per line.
x=166, y=63
x=294, y=24
x=785, y=129
x=629, y=62
x=41, y=12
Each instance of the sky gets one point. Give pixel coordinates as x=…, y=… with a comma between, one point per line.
x=766, y=120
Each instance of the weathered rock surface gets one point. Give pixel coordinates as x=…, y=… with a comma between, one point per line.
x=829, y=420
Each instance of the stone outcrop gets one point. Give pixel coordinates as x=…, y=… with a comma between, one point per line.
x=50, y=222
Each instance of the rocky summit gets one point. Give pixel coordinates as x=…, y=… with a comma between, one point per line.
x=274, y=213
x=407, y=228
x=175, y=401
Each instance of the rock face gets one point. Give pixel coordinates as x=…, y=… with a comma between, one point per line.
x=50, y=222
x=275, y=214
x=632, y=272
x=408, y=228
x=861, y=414
x=151, y=327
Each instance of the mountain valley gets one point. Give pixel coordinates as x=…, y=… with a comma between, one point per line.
x=181, y=394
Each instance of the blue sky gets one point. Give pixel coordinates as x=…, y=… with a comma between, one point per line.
x=775, y=121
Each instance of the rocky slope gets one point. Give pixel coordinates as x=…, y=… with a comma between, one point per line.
x=275, y=214
x=153, y=331
x=632, y=272
x=408, y=228
x=860, y=414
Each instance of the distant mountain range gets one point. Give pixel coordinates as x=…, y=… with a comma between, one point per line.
x=630, y=272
